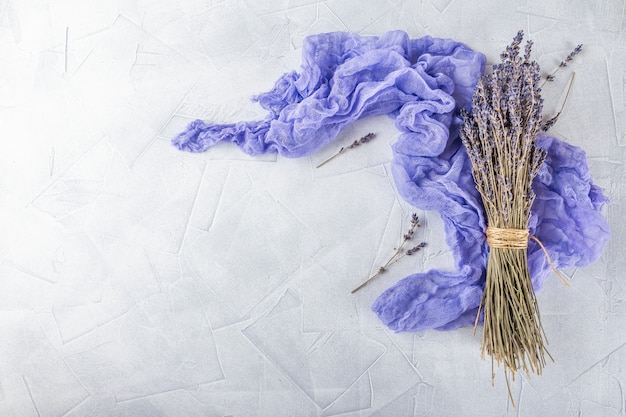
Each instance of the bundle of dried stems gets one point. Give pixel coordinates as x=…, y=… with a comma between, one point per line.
x=500, y=137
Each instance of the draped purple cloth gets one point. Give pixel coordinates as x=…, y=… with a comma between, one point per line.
x=345, y=77
x=422, y=83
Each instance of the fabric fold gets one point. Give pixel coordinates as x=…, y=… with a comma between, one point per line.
x=343, y=78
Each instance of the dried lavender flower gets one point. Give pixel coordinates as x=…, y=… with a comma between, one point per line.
x=354, y=144
x=569, y=58
x=550, y=122
x=575, y=52
x=415, y=248
x=399, y=252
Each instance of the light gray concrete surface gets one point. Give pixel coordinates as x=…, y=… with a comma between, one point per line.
x=137, y=280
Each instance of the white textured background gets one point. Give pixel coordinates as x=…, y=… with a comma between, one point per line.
x=137, y=280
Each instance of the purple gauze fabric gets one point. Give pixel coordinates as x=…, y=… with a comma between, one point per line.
x=345, y=77
x=422, y=83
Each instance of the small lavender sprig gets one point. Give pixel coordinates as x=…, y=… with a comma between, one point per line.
x=550, y=122
x=354, y=144
x=570, y=57
x=399, y=253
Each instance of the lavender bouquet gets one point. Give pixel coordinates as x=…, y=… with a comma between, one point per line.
x=501, y=139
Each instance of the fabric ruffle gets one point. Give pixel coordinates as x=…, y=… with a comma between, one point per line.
x=345, y=77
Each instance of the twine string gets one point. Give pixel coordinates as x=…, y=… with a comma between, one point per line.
x=517, y=239
x=507, y=238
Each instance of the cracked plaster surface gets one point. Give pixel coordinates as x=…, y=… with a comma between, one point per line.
x=137, y=280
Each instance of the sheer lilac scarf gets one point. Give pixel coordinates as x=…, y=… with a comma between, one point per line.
x=422, y=83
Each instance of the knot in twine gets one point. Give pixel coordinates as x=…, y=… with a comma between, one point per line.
x=516, y=239
x=507, y=238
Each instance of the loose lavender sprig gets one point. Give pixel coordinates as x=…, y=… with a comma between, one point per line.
x=399, y=253
x=570, y=57
x=550, y=122
x=354, y=144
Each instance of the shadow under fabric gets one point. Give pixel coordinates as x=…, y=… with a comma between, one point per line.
x=422, y=83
